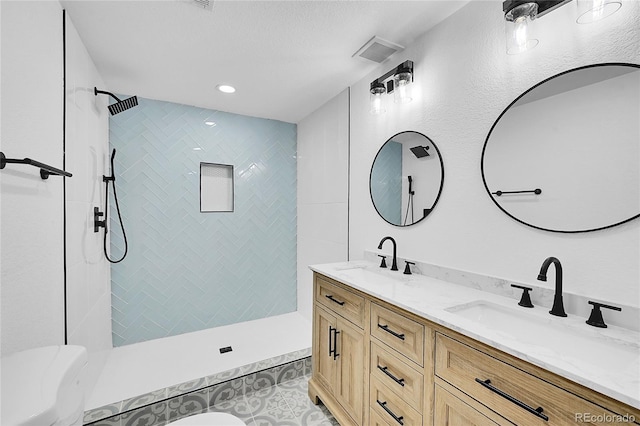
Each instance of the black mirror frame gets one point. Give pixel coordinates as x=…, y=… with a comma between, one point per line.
x=504, y=112
x=441, y=178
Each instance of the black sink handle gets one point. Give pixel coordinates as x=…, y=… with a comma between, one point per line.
x=595, y=319
x=525, y=300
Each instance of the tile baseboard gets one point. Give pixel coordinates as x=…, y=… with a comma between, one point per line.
x=195, y=396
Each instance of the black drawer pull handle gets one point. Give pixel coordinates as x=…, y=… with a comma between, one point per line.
x=331, y=330
x=330, y=297
x=391, y=413
x=333, y=342
x=386, y=328
x=535, y=411
x=386, y=371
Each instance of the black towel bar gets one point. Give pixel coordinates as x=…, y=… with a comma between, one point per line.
x=45, y=169
x=536, y=191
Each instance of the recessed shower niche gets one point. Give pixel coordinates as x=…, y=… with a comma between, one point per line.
x=216, y=187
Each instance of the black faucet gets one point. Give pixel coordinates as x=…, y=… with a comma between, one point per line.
x=394, y=264
x=558, y=306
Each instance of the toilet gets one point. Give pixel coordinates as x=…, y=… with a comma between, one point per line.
x=45, y=387
x=209, y=419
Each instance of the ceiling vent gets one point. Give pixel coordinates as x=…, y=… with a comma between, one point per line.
x=378, y=50
x=202, y=4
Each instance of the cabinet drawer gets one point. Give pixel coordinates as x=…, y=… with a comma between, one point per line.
x=391, y=407
x=451, y=411
x=376, y=420
x=397, y=375
x=399, y=332
x=340, y=300
x=518, y=396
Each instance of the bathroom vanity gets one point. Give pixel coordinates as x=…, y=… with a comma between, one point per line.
x=394, y=349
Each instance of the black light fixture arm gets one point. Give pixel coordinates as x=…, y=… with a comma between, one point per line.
x=544, y=6
x=45, y=169
x=406, y=66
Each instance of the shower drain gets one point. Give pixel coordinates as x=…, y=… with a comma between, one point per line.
x=225, y=349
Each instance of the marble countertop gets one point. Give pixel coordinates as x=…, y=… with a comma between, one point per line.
x=606, y=360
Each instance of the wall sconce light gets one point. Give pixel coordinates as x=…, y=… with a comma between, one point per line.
x=594, y=10
x=520, y=16
x=397, y=81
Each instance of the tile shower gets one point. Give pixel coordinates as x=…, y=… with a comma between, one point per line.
x=188, y=270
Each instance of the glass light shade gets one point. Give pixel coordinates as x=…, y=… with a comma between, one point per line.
x=376, y=100
x=520, y=28
x=594, y=10
x=402, y=87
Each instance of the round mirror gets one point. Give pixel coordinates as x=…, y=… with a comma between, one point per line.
x=565, y=155
x=406, y=178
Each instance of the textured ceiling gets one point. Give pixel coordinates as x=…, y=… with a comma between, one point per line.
x=286, y=58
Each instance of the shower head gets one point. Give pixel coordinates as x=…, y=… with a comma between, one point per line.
x=420, y=151
x=120, y=105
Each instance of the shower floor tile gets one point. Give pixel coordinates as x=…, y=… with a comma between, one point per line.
x=145, y=367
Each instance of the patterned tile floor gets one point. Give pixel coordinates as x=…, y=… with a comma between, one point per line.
x=284, y=404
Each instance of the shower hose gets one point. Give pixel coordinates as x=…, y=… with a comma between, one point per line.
x=106, y=180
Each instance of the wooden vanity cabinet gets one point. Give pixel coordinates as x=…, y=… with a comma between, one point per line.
x=394, y=368
x=338, y=352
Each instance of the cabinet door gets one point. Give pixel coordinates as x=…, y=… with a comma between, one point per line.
x=350, y=374
x=324, y=363
x=451, y=411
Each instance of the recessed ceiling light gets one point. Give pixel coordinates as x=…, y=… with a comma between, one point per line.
x=225, y=88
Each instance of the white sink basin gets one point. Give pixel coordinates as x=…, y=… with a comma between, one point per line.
x=534, y=327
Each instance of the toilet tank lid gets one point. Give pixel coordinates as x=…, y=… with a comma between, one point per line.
x=31, y=379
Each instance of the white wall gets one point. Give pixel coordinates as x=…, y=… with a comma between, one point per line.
x=323, y=156
x=463, y=81
x=87, y=147
x=32, y=209
x=31, y=249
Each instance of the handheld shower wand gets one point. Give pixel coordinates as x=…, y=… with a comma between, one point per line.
x=409, y=202
x=103, y=223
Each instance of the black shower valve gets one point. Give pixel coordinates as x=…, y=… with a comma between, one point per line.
x=97, y=223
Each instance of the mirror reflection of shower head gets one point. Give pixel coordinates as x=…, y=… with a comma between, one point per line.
x=420, y=151
x=120, y=105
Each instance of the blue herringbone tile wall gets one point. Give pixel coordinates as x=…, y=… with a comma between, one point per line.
x=386, y=182
x=187, y=270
